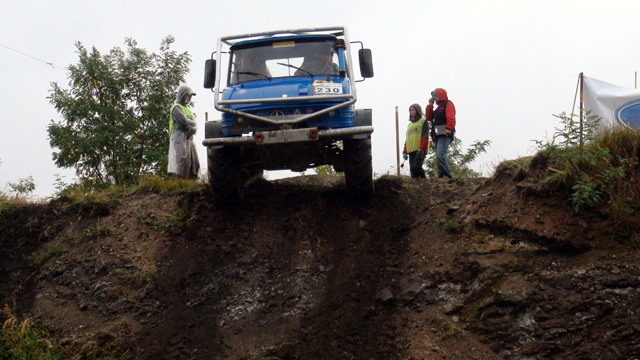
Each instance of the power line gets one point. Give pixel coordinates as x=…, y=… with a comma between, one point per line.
x=35, y=58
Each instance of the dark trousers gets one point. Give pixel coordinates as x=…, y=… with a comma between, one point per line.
x=415, y=165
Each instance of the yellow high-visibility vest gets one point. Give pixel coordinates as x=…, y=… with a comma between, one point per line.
x=414, y=135
x=185, y=110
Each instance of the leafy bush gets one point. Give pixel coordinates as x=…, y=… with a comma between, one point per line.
x=327, y=170
x=459, y=161
x=24, y=187
x=599, y=167
x=114, y=117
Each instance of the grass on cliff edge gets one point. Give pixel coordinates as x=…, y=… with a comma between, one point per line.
x=602, y=175
x=32, y=339
x=79, y=194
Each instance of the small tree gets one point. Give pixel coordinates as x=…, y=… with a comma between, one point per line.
x=570, y=134
x=459, y=162
x=115, y=115
x=24, y=187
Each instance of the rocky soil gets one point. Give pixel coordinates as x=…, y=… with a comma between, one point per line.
x=494, y=268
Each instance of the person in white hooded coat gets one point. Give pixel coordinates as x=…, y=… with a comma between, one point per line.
x=183, y=157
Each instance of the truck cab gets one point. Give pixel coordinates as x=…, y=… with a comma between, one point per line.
x=288, y=103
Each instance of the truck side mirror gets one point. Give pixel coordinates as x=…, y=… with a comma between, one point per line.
x=366, y=63
x=210, y=74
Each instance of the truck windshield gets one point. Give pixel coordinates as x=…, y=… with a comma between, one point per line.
x=283, y=59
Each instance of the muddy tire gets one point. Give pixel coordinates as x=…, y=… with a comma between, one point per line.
x=226, y=183
x=358, y=170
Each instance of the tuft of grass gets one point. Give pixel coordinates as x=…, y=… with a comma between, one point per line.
x=90, y=194
x=27, y=340
x=7, y=203
x=148, y=274
x=157, y=183
x=453, y=330
x=95, y=232
x=32, y=339
x=449, y=329
x=450, y=225
x=52, y=250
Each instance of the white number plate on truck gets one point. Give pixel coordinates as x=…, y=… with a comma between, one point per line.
x=327, y=88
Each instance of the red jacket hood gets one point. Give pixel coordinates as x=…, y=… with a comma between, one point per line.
x=442, y=94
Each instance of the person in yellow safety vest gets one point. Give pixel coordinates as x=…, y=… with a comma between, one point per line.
x=183, y=156
x=417, y=141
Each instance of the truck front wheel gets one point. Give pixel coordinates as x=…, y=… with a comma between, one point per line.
x=358, y=170
x=227, y=186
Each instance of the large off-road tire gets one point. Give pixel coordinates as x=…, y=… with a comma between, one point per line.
x=358, y=169
x=227, y=186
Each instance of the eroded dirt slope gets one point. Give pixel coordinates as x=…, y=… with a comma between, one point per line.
x=473, y=269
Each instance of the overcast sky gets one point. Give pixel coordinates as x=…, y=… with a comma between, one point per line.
x=507, y=65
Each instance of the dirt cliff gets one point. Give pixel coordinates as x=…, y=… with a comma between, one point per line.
x=493, y=268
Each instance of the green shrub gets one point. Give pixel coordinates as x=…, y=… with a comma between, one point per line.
x=459, y=161
x=450, y=225
x=52, y=250
x=327, y=170
x=27, y=340
x=599, y=167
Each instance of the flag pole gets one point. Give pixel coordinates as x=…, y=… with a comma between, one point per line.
x=397, y=144
x=581, y=108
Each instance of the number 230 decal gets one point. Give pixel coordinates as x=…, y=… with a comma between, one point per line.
x=327, y=89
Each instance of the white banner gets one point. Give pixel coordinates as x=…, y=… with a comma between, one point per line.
x=614, y=104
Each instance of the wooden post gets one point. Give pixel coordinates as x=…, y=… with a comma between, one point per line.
x=397, y=143
x=581, y=109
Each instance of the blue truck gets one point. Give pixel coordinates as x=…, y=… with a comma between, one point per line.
x=288, y=103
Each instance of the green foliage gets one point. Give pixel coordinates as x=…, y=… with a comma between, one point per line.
x=584, y=194
x=24, y=187
x=32, y=339
x=327, y=170
x=95, y=232
x=3, y=194
x=87, y=194
x=178, y=220
x=114, y=125
x=59, y=187
x=570, y=135
x=52, y=250
x=449, y=329
x=450, y=225
x=27, y=340
x=459, y=161
x=148, y=273
x=603, y=170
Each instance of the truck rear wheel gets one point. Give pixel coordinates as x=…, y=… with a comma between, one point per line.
x=226, y=183
x=358, y=169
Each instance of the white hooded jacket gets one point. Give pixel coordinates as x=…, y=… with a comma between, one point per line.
x=183, y=156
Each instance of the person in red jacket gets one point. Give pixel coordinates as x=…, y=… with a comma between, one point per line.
x=417, y=141
x=443, y=128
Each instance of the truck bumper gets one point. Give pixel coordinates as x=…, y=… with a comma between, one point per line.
x=290, y=136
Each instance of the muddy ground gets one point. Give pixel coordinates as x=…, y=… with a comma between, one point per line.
x=428, y=269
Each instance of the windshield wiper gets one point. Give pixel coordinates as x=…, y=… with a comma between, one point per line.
x=295, y=67
x=253, y=74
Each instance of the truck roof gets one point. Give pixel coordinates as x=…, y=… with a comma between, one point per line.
x=333, y=30
x=312, y=37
